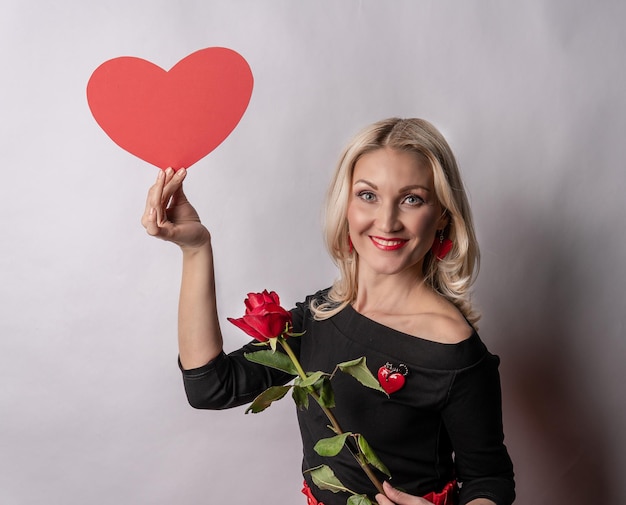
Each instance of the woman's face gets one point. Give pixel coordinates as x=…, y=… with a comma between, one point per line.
x=393, y=213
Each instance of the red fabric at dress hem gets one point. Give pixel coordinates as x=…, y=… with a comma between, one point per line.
x=310, y=499
x=447, y=496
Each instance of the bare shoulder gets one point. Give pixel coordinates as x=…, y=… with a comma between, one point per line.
x=428, y=317
x=442, y=323
x=444, y=329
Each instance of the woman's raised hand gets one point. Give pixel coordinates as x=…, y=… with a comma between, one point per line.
x=395, y=497
x=170, y=216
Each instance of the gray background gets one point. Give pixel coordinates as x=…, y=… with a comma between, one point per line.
x=529, y=94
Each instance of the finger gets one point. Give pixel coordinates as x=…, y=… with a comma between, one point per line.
x=381, y=499
x=172, y=187
x=400, y=498
x=178, y=198
x=155, y=190
x=180, y=195
x=165, y=195
x=151, y=223
x=153, y=199
x=164, y=231
x=168, y=174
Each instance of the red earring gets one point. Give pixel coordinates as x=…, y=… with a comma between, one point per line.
x=441, y=246
x=350, y=246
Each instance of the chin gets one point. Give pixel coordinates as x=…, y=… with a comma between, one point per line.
x=393, y=268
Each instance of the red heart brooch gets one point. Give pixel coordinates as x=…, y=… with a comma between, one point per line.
x=171, y=118
x=392, y=378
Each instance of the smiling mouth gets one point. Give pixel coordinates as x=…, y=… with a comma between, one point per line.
x=387, y=244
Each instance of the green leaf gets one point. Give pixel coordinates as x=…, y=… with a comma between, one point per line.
x=312, y=379
x=331, y=446
x=272, y=359
x=266, y=398
x=327, y=395
x=357, y=368
x=324, y=478
x=359, y=499
x=371, y=456
x=301, y=397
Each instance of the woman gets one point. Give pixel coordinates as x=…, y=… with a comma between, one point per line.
x=399, y=227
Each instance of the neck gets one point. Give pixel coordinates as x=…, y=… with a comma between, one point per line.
x=389, y=293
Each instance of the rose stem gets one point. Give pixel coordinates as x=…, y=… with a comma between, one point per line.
x=330, y=416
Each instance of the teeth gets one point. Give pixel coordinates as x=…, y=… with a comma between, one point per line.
x=386, y=242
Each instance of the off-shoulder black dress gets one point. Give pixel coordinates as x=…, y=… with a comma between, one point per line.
x=444, y=423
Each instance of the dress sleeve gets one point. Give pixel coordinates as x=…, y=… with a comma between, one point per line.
x=473, y=419
x=230, y=380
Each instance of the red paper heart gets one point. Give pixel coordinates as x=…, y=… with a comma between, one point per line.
x=171, y=118
x=390, y=381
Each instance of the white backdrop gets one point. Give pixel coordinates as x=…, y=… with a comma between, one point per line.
x=529, y=94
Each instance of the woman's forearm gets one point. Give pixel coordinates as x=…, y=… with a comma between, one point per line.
x=199, y=334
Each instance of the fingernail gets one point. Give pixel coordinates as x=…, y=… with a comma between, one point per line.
x=151, y=211
x=161, y=174
x=181, y=172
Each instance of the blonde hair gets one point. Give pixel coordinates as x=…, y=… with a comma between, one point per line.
x=451, y=277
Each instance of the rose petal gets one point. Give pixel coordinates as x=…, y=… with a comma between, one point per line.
x=254, y=300
x=243, y=325
x=274, y=297
x=270, y=309
x=268, y=325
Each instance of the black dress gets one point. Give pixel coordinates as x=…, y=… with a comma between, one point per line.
x=445, y=422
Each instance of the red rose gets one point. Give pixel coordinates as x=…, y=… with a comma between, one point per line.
x=264, y=317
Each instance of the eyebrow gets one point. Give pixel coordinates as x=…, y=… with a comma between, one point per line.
x=402, y=190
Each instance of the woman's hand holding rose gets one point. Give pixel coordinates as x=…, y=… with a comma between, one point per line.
x=395, y=497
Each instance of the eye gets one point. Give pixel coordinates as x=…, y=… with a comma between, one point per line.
x=413, y=200
x=366, y=196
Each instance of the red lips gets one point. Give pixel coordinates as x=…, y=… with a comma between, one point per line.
x=388, y=244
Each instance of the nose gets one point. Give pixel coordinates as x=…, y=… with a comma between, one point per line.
x=388, y=218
